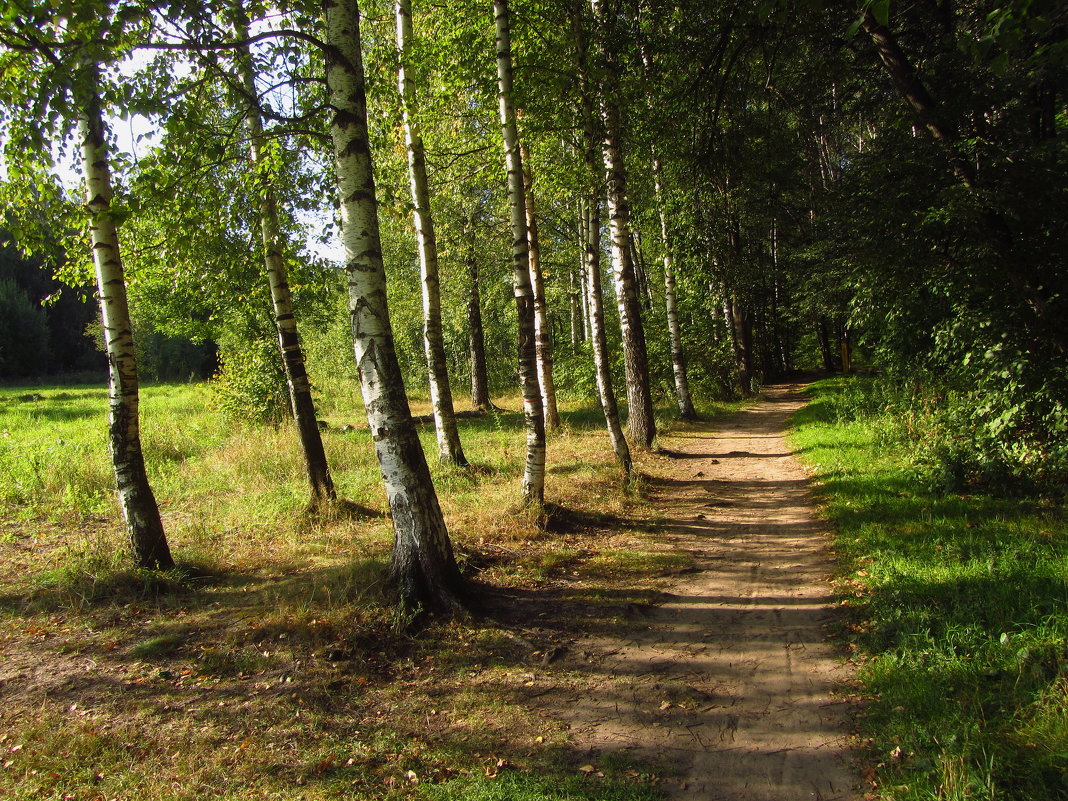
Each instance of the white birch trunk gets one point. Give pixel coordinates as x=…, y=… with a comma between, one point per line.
x=542, y=337
x=285, y=321
x=450, y=450
x=640, y=420
x=591, y=224
x=678, y=354
x=423, y=566
x=534, y=422
x=139, y=509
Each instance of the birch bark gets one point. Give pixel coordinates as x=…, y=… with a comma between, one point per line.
x=542, y=338
x=678, y=354
x=423, y=567
x=139, y=509
x=476, y=338
x=285, y=321
x=533, y=416
x=450, y=450
x=640, y=420
x=591, y=224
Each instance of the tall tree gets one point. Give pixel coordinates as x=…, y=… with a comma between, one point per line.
x=590, y=231
x=591, y=225
x=542, y=335
x=640, y=420
x=678, y=355
x=450, y=450
x=285, y=321
x=136, y=498
x=534, y=421
x=423, y=566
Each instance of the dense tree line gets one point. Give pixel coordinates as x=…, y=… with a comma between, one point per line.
x=694, y=198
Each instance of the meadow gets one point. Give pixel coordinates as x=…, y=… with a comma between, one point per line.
x=274, y=662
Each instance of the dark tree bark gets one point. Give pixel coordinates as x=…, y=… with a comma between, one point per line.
x=476, y=337
x=285, y=321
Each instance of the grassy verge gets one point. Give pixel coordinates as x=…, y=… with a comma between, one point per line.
x=273, y=663
x=959, y=615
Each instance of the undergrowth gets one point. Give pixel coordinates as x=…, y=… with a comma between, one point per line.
x=958, y=602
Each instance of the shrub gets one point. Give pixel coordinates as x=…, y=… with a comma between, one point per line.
x=251, y=383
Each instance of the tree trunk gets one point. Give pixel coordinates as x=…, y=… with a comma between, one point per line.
x=678, y=355
x=591, y=224
x=476, y=338
x=741, y=327
x=574, y=297
x=300, y=397
x=542, y=338
x=450, y=450
x=423, y=567
x=825, y=345
x=139, y=509
x=640, y=420
x=641, y=270
x=533, y=416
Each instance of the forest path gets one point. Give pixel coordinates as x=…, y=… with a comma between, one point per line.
x=729, y=682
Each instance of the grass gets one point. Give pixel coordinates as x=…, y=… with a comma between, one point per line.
x=959, y=616
x=273, y=662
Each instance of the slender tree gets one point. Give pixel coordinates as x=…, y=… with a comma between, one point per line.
x=591, y=225
x=640, y=420
x=138, y=503
x=285, y=321
x=476, y=339
x=678, y=355
x=423, y=566
x=542, y=334
x=533, y=416
x=450, y=450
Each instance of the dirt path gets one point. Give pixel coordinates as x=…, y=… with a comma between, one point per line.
x=728, y=683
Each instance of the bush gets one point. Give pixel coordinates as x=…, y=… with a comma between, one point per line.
x=975, y=439
x=251, y=383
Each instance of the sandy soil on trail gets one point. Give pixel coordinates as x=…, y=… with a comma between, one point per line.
x=728, y=683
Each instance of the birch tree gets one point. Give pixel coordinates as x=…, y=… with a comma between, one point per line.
x=450, y=450
x=640, y=420
x=590, y=232
x=423, y=566
x=138, y=502
x=46, y=90
x=678, y=355
x=533, y=418
x=542, y=334
x=300, y=397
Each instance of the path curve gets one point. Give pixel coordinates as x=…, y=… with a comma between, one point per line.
x=729, y=682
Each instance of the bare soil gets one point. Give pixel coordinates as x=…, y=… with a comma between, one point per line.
x=728, y=684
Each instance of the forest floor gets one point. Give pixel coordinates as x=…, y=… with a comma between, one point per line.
x=668, y=642
x=730, y=683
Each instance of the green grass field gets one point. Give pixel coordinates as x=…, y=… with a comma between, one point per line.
x=958, y=616
x=274, y=663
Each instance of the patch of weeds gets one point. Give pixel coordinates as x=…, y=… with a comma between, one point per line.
x=157, y=647
x=958, y=614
